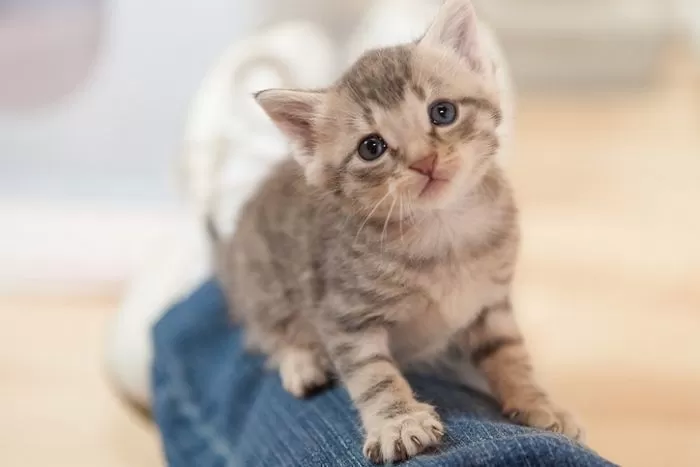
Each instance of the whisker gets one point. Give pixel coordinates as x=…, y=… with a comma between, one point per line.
x=353, y=212
x=411, y=214
x=386, y=223
x=370, y=215
x=401, y=216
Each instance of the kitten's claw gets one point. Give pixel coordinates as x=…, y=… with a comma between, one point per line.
x=543, y=414
x=301, y=372
x=417, y=442
x=400, y=450
x=403, y=437
x=373, y=452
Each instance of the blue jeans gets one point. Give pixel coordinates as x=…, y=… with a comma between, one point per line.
x=216, y=405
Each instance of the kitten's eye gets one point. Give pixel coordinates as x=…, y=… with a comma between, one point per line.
x=442, y=113
x=371, y=148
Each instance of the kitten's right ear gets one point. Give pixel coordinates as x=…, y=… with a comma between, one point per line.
x=294, y=113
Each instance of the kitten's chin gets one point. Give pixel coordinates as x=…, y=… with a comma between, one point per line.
x=433, y=188
x=441, y=187
x=433, y=194
x=445, y=194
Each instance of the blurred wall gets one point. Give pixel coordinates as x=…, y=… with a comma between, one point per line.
x=574, y=44
x=688, y=14
x=114, y=136
x=91, y=117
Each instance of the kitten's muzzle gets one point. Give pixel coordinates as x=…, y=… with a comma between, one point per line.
x=435, y=179
x=425, y=166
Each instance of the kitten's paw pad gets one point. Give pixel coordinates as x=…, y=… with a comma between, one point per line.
x=405, y=436
x=548, y=417
x=302, y=374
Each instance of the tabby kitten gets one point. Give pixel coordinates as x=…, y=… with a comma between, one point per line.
x=391, y=237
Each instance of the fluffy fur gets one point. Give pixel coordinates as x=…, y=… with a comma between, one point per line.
x=359, y=268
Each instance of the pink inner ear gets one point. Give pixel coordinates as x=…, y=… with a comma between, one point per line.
x=298, y=128
x=456, y=27
x=293, y=113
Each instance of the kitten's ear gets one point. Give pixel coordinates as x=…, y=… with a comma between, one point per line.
x=293, y=112
x=456, y=28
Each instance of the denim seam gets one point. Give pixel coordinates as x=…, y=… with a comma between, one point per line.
x=537, y=434
x=176, y=388
x=173, y=452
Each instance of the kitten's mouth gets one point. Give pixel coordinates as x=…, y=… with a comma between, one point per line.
x=432, y=187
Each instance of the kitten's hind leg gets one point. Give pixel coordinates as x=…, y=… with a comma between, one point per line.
x=496, y=347
x=303, y=371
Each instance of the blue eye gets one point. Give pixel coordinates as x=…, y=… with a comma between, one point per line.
x=442, y=113
x=371, y=148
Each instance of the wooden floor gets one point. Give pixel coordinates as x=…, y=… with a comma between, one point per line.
x=608, y=291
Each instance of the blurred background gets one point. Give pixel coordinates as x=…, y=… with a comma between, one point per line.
x=93, y=101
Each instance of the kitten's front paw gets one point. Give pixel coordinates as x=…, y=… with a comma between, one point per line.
x=543, y=414
x=302, y=373
x=402, y=437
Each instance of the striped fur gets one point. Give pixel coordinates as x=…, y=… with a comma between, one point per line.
x=354, y=267
x=496, y=347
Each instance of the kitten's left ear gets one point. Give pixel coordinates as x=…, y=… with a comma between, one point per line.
x=294, y=112
x=456, y=27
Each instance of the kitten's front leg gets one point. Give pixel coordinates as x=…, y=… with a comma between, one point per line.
x=397, y=426
x=495, y=346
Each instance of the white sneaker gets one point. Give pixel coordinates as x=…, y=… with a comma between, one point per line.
x=229, y=145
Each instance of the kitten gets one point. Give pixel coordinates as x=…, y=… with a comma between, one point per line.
x=390, y=238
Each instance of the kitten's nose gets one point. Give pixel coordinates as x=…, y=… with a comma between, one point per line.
x=426, y=166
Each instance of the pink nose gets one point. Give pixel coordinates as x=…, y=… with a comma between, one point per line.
x=426, y=166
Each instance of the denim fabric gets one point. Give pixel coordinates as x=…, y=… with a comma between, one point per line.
x=217, y=406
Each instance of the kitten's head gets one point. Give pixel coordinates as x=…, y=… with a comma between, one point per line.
x=415, y=121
